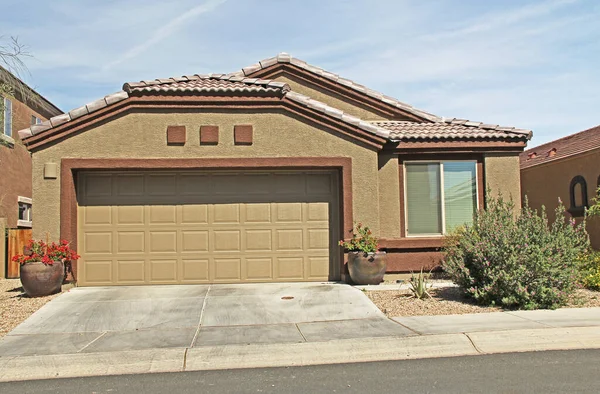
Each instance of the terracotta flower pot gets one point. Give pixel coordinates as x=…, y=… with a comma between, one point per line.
x=39, y=279
x=366, y=268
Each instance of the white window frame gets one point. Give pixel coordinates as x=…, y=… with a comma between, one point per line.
x=29, y=201
x=442, y=196
x=4, y=105
x=37, y=120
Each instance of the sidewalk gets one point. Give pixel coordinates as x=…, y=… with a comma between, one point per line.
x=430, y=336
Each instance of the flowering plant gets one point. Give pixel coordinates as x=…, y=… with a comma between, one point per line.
x=46, y=252
x=362, y=240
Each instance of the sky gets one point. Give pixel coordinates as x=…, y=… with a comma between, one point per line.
x=529, y=64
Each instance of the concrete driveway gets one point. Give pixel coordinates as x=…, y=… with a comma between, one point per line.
x=105, y=319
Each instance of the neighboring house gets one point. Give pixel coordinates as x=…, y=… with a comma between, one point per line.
x=253, y=176
x=22, y=108
x=568, y=169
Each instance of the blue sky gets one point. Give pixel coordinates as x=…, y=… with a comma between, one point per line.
x=530, y=64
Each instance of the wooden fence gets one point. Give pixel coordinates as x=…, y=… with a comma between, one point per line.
x=17, y=239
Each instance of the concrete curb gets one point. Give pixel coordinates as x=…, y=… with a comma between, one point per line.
x=296, y=354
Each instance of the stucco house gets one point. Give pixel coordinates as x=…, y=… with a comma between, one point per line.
x=565, y=169
x=255, y=175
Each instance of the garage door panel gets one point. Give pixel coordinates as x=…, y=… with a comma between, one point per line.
x=130, y=185
x=175, y=228
x=98, y=272
x=131, y=271
x=163, y=242
x=161, y=185
x=259, y=240
x=257, y=213
x=194, y=214
x=131, y=242
x=97, y=215
x=98, y=242
x=289, y=240
x=194, y=241
x=289, y=268
x=259, y=269
x=195, y=271
x=127, y=214
x=163, y=214
x=317, y=266
x=226, y=213
x=226, y=270
x=226, y=241
x=194, y=185
x=162, y=271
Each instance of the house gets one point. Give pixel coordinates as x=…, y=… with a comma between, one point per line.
x=21, y=107
x=253, y=176
x=565, y=169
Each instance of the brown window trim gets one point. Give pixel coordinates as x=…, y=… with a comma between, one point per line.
x=69, y=168
x=438, y=157
x=578, y=210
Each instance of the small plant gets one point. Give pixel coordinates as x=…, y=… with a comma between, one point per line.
x=47, y=253
x=362, y=241
x=419, y=285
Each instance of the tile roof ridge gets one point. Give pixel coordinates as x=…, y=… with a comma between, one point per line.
x=284, y=57
x=487, y=126
x=541, y=147
x=73, y=114
x=338, y=114
x=231, y=77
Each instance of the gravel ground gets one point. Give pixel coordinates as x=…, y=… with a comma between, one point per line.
x=15, y=306
x=450, y=301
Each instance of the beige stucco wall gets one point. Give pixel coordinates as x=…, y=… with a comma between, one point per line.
x=545, y=184
x=389, y=198
x=330, y=98
x=143, y=135
x=502, y=176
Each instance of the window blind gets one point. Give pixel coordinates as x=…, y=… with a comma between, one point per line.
x=460, y=193
x=423, y=198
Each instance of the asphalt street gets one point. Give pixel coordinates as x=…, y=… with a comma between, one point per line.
x=539, y=372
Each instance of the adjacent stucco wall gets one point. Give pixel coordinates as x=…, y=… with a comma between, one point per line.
x=143, y=135
x=544, y=184
x=389, y=197
x=330, y=98
x=502, y=176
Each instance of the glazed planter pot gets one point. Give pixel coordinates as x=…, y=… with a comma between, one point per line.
x=366, y=268
x=39, y=279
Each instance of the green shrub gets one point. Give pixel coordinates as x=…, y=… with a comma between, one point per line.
x=590, y=270
x=522, y=262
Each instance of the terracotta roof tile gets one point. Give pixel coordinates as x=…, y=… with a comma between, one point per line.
x=287, y=58
x=212, y=83
x=561, y=148
x=451, y=129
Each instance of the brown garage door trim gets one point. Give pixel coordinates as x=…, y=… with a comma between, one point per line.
x=69, y=167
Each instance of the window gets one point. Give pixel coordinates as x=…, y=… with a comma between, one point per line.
x=25, y=217
x=578, y=196
x=7, y=117
x=439, y=196
x=35, y=120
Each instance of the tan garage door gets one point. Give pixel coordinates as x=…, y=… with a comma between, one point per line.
x=197, y=227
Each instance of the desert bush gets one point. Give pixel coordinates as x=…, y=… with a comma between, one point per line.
x=517, y=262
x=590, y=269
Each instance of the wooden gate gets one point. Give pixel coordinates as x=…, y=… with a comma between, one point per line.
x=17, y=240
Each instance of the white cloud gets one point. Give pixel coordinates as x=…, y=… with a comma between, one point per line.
x=166, y=31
